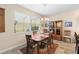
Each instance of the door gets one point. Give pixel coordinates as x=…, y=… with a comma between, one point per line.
x=2, y=20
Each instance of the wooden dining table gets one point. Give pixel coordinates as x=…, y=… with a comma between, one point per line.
x=38, y=38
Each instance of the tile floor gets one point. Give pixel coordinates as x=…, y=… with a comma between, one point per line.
x=63, y=48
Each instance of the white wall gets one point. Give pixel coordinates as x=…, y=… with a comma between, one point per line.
x=69, y=16
x=9, y=39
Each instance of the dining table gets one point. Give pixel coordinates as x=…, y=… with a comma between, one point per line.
x=38, y=38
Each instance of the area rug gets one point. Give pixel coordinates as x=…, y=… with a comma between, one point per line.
x=42, y=51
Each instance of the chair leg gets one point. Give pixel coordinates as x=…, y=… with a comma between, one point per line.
x=47, y=48
x=76, y=48
x=78, y=51
x=27, y=50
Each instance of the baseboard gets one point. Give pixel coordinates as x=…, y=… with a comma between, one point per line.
x=11, y=48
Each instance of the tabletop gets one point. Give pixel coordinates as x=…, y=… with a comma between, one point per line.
x=39, y=37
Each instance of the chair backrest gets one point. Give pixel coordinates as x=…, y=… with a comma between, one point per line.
x=76, y=37
x=50, y=35
x=28, y=36
x=28, y=39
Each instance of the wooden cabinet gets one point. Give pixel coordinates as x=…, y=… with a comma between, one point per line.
x=57, y=30
x=2, y=20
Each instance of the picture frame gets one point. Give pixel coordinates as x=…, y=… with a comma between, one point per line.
x=68, y=24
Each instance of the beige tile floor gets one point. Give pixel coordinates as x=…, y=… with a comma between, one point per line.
x=63, y=48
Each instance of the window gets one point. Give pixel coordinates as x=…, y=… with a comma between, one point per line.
x=20, y=22
x=24, y=23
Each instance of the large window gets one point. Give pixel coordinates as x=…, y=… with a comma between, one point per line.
x=24, y=23
x=19, y=22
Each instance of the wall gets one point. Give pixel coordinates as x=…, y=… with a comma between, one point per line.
x=73, y=16
x=9, y=39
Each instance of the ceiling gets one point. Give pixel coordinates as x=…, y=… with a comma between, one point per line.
x=50, y=9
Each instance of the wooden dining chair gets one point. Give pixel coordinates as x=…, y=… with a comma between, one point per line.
x=77, y=41
x=44, y=45
x=50, y=43
x=51, y=38
x=31, y=45
x=47, y=43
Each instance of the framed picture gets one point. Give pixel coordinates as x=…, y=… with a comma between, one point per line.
x=47, y=24
x=68, y=24
x=50, y=24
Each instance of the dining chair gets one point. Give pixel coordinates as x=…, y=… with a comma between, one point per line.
x=31, y=45
x=51, y=38
x=44, y=45
x=48, y=43
x=77, y=41
x=34, y=46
